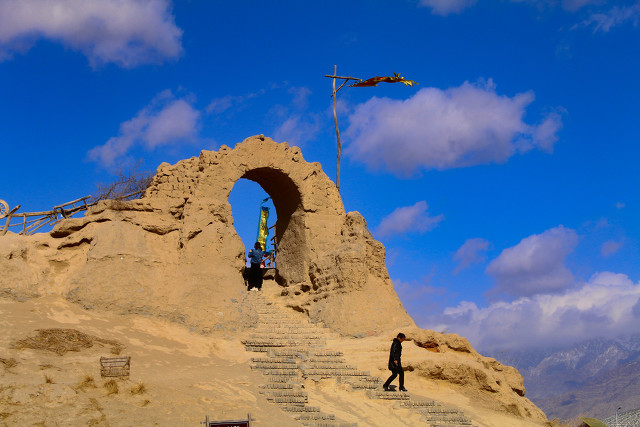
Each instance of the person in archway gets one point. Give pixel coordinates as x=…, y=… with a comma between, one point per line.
x=395, y=363
x=255, y=273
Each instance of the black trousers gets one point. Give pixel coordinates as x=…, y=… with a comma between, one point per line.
x=255, y=276
x=396, y=372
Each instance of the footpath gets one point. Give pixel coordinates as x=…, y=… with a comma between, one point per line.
x=292, y=352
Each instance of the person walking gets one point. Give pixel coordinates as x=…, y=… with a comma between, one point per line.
x=255, y=274
x=395, y=362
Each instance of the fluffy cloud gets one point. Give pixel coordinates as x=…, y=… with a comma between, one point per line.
x=126, y=32
x=471, y=252
x=535, y=265
x=408, y=218
x=166, y=120
x=607, y=305
x=446, y=7
x=441, y=129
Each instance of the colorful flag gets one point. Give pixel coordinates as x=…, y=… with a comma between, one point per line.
x=263, y=228
x=373, y=81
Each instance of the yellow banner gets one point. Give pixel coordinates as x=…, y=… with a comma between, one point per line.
x=263, y=228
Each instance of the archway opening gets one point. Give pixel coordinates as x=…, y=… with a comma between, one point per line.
x=289, y=231
x=246, y=199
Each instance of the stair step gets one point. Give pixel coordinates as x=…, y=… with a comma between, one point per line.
x=284, y=360
x=447, y=417
x=300, y=409
x=335, y=372
x=418, y=404
x=318, y=416
x=328, y=424
x=300, y=400
x=255, y=349
x=282, y=342
x=388, y=395
x=338, y=366
x=276, y=386
x=281, y=372
x=297, y=337
x=325, y=359
x=285, y=393
x=280, y=379
x=287, y=352
x=321, y=353
x=272, y=366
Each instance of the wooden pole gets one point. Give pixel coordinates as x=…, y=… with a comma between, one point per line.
x=335, y=116
x=335, y=120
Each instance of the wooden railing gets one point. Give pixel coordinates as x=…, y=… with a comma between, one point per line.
x=33, y=221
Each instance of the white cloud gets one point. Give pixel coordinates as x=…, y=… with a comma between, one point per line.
x=613, y=17
x=607, y=305
x=125, y=32
x=620, y=205
x=408, y=218
x=226, y=103
x=298, y=129
x=441, y=129
x=535, y=265
x=609, y=248
x=472, y=251
x=446, y=7
x=165, y=121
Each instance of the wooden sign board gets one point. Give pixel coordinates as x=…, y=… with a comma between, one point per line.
x=228, y=423
x=115, y=366
x=244, y=423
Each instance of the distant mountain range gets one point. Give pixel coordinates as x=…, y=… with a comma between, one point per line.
x=593, y=377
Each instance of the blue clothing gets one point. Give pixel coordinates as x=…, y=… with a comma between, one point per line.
x=255, y=256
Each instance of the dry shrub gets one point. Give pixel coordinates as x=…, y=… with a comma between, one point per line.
x=139, y=388
x=130, y=183
x=145, y=402
x=112, y=387
x=4, y=415
x=61, y=341
x=48, y=379
x=86, y=382
x=8, y=363
x=94, y=404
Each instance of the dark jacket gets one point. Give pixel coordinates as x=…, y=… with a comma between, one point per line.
x=395, y=354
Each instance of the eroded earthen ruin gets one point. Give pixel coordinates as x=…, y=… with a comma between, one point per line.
x=175, y=254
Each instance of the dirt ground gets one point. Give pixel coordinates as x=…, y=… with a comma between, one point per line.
x=178, y=376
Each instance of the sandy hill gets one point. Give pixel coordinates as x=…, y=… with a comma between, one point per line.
x=160, y=279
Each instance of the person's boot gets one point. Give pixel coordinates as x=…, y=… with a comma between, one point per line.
x=403, y=389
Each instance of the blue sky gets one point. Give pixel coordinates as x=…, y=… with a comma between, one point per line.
x=504, y=186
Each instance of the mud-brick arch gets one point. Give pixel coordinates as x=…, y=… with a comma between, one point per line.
x=308, y=205
x=331, y=266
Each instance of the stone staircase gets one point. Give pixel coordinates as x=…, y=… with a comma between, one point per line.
x=292, y=351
